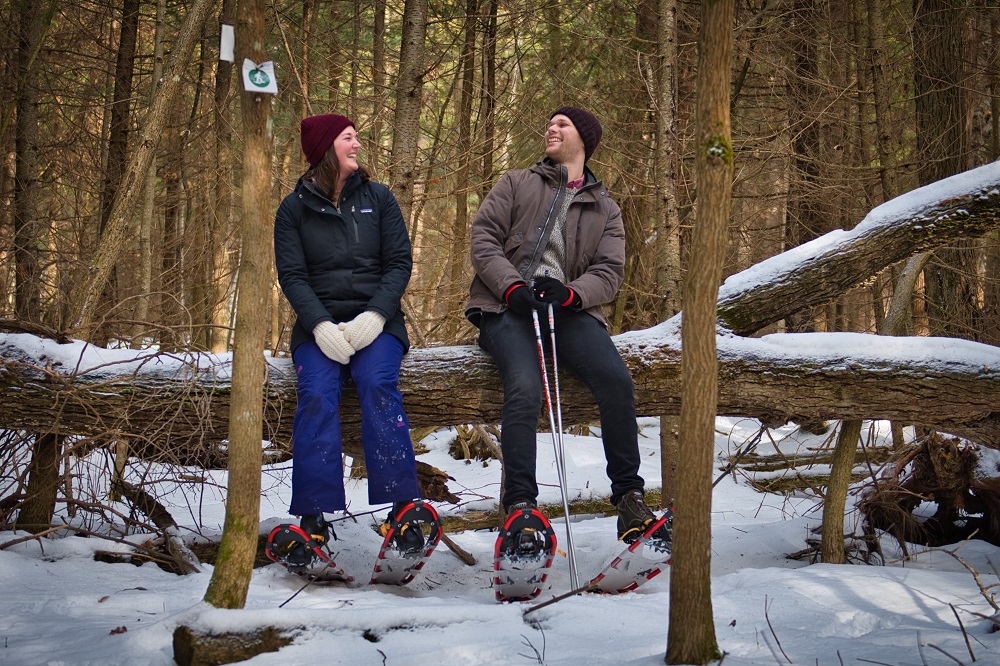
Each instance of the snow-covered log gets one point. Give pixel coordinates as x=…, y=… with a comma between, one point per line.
x=182, y=403
x=966, y=205
x=950, y=384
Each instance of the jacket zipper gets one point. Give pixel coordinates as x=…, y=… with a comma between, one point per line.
x=354, y=221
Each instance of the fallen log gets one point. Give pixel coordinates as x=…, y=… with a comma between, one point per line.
x=186, y=404
x=966, y=205
x=952, y=385
x=200, y=648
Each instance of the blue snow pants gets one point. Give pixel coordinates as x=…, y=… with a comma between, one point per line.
x=317, y=463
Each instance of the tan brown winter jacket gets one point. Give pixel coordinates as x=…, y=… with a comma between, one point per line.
x=512, y=228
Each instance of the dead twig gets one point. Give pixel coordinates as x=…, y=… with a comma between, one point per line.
x=773, y=633
x=14, y=542
x=965, y=634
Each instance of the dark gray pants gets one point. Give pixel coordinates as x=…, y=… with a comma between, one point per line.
x=584, y=348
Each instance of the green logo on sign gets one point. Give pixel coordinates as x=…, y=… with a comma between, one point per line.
x=259, y=78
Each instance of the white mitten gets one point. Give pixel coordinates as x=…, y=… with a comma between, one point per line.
x=332, y=343
x=363, y=329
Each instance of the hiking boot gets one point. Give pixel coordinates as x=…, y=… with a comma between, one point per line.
x=298, y=557
x=409, y=538
x=519, y=506
x=634, y=517
x=293, y=553
x=526, y=542
x=316, y=527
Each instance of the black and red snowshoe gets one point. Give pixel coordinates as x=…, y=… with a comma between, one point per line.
x=523, y=555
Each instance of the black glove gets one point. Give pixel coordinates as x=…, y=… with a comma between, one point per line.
x=550, y=290
x=521, y=301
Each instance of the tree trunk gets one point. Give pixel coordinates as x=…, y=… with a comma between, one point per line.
x=43, y=481
x=117, y=147
x=458, y=255
x=668, y=236
x=29, y=230
x=84, y=302
x=30, y=244
x=691, y=637
x=832, y=542
x=145, y=277
x=885, y=131
x=375, y=153
x=943, y=106
x=409, y=86
x=185, y=410
x=221, y=213
x=805, y=217
x=234, y=566
x=487, y=109
x=668, y=246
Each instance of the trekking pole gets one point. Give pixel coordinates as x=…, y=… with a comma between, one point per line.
x=561, y=454
x=555, y=377
x=556, y=441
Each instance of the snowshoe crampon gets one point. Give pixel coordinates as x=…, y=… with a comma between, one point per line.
x=295, y=550
x=523, y=555
x=410, y=536
x=644, y=559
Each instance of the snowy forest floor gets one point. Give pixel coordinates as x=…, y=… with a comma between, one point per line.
x=63, y=607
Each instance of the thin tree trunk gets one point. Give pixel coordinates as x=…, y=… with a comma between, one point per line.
x=487, y=109
x=118, y=144
x=29, y=239
x=170, y=311
x=458, y=256
x=994, y=75
x=234, y=566
x=43, y=481
x=221, y=215
x=805, y=219
x=29, y=231
x=668, y=244
x=406, y=124
x=691, y=636
x=149, y=196
x=668, y=237
x=943, y=104
x=355, y=62
x=375, y=154
x=832, y=540
x=885, y=131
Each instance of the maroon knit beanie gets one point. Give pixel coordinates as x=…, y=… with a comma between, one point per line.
x=318, y=133
x=586, y=124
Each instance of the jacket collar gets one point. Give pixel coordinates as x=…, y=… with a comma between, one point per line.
x=556, y=173
x=353, y=184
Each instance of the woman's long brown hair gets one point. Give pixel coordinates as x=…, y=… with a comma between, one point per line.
x=326, y=174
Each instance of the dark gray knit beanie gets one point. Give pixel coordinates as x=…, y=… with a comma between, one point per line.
x=586, y=124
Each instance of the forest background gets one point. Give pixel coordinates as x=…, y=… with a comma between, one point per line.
x=836, y=106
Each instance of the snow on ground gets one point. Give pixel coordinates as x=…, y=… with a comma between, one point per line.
x=61, y=607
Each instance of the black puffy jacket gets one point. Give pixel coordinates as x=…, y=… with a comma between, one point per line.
x=333, y=265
